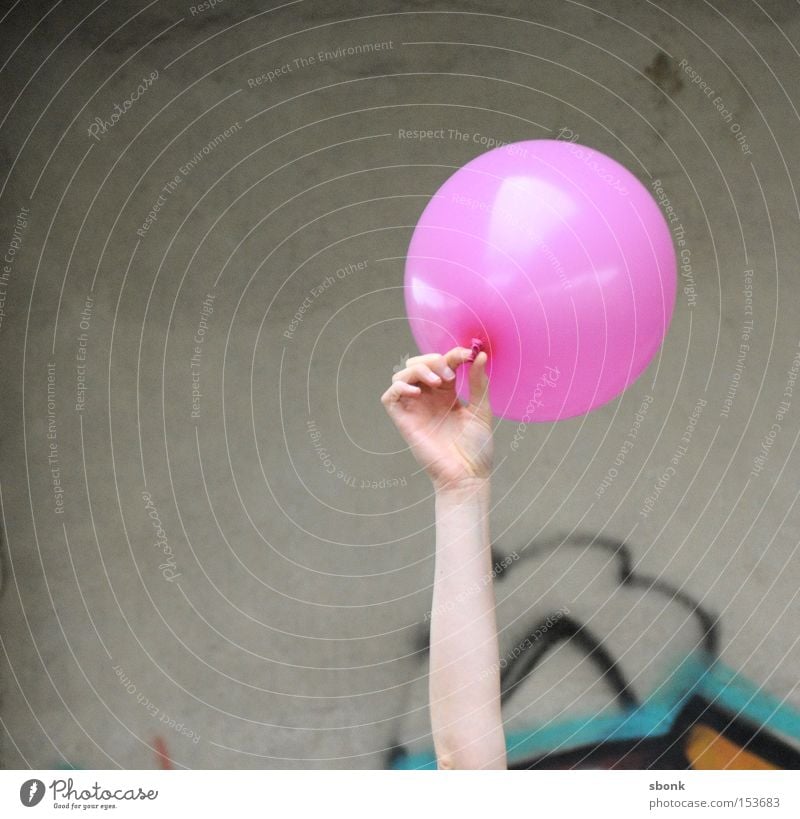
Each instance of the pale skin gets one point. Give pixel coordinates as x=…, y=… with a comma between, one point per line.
x=453, y=442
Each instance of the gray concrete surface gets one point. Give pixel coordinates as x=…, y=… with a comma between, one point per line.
x=274, y=619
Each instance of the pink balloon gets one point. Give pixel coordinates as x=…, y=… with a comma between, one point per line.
x=559, y=260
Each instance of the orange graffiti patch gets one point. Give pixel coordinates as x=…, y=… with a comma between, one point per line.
x=708, y=750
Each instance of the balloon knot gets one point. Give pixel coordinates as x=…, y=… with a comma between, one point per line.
x=477, y=346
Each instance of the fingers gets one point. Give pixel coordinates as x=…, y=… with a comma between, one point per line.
x=435, y=370
x=479, y=386
x=440, y=364
x=398, y=390
x=458, y=356
x=431, y=369
x=422, y=372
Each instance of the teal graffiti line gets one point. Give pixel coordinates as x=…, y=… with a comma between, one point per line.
x=695, y=675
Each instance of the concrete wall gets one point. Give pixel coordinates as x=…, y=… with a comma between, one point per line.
x=275, y=617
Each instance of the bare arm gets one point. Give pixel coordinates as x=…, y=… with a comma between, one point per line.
x=464, y=680
x=453, y=442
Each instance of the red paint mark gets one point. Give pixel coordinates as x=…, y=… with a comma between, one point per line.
x=160, y=747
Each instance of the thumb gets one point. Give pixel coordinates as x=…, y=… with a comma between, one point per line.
x=479, y=386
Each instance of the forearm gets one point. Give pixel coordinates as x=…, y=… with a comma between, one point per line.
x=464, y=674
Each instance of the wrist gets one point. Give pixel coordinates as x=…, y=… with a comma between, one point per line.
x=462, y=489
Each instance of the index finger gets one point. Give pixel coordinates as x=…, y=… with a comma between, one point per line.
x=452, y=358
x=457, y=356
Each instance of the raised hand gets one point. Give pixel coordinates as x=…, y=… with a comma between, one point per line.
x=451, y=440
